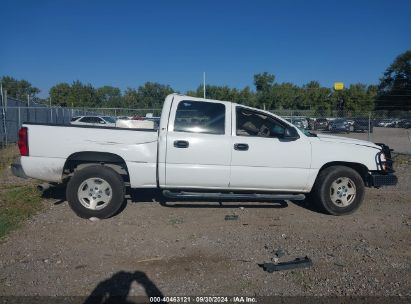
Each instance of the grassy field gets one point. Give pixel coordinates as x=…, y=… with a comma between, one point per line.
x=16, y=205
x=17, y=202
x=7, y=155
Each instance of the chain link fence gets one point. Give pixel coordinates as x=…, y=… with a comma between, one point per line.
x=15, y=116
x=391, y=128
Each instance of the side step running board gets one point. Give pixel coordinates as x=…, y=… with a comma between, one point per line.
x=216, y=195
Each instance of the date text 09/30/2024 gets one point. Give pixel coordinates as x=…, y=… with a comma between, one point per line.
x=203, y=299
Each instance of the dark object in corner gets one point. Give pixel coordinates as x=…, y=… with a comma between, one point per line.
x=231, y=217
x=297, y=263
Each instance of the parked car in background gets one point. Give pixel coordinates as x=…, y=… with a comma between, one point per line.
x=123, y=117
x=384, y=123
x=405, y=123
x=362, y=125
x=394, y=123
x=339, y=125
x=311, y=122
x=102, y=121
x=351, y=123
x=321, y=124
x=300, y=123
x=391, y=123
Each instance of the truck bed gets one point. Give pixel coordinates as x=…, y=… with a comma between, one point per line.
x=54, y=144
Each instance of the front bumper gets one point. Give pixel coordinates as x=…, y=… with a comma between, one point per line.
x=17, y=169
x=379, y=180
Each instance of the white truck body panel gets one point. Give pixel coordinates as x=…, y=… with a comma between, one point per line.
x=210, y=161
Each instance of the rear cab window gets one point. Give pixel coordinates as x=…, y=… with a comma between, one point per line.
x=200, y=117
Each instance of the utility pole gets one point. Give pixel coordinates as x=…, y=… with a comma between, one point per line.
x=204, y=88
x=51, y=111
x=28, y=107
x=3, y=115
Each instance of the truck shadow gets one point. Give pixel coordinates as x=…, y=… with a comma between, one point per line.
x=57, y=193
x=307, y=205
x=116, y=288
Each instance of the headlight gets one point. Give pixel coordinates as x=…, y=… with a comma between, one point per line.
x=383, y=162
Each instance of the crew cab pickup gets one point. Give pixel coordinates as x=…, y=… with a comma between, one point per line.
x=205, y=149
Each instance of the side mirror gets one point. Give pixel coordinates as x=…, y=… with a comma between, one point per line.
x=290, y=133
x=102, y=122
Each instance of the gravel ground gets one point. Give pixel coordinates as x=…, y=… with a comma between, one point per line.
x=185, y=248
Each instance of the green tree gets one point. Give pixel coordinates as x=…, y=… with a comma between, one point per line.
x=83, y=95
x=60, y=94
x=75, y=95
x=264, y=84
x=109, y=96
x=317, y=98
x=216, y=92
x=18, y=88
x=395, y=85
x=152, y=94
x=287, y=96
x=130, y=99
x=358, y=99
x=246, y=97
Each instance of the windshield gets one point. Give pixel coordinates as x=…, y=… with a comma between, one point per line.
x=109, y=119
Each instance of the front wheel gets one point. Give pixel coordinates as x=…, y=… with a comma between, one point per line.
x=338, y=190
x=95, y=191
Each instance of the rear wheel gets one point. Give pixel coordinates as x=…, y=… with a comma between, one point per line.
x=338, y=190
x=95, y=191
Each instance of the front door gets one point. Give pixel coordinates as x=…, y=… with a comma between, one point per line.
x=198, y=145
x=261, y=159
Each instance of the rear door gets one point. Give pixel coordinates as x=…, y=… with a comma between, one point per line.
x=261, y=159
x=198, y=144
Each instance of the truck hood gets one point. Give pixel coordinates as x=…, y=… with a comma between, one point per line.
x=346, y=140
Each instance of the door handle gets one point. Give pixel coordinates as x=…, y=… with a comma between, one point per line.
x=181, y=144
x=241, y=147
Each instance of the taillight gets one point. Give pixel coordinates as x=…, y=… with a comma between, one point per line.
x=23, y=142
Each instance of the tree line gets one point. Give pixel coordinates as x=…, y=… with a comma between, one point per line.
x=392, y=93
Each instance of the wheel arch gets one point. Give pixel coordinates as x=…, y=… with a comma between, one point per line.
x=79, y=160
x=361, y=169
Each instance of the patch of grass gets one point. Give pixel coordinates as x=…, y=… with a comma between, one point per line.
x=7, y=155
x=175, y=221
x=402, y=160
x=16, y=205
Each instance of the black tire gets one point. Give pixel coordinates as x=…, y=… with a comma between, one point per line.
x=100, y=172
x=321, y=192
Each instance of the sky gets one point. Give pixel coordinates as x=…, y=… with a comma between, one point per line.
x=126, y=43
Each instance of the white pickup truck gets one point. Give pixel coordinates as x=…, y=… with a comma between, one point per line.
x=206, y=149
